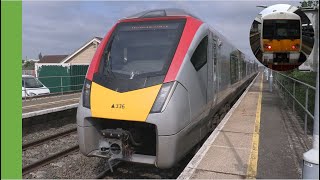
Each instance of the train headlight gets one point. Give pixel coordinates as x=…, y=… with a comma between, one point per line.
x=163, y=96
x=295, y=46
x=86, y=93
x=268, y=46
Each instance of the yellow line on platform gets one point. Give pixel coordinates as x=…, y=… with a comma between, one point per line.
x=253, y=160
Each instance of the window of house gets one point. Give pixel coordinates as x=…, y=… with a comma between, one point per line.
x=199, y=57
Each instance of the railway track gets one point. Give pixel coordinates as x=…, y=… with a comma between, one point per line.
x=36, y=165
x=42, y=162
x=104, y=173
x=49, y=138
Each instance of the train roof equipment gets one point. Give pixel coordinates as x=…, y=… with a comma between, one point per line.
x=155, y=13
x=281, y=15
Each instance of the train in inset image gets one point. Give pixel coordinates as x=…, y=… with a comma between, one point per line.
x=159, y=82
x=281, y=40
x=281, y=37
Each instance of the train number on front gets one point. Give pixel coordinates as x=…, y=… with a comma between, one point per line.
x=118, y=106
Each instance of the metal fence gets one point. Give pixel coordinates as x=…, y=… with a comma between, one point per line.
x=56, y=85
x=299, y=96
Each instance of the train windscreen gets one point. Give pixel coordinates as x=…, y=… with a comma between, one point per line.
x=141, y=49
x=281, y=29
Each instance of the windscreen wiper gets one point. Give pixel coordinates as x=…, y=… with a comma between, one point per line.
x=109, y=67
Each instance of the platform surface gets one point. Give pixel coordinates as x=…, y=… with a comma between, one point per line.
x=44, y=105
x=258, y=138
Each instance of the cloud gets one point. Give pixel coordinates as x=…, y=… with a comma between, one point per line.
x=59, y=27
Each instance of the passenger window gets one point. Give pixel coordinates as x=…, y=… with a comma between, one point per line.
x=234, y=67
x=199, y=57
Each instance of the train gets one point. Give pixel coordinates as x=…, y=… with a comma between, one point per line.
x=281, y=38
x=159, y=82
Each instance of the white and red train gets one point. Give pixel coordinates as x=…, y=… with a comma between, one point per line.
x=156, y=86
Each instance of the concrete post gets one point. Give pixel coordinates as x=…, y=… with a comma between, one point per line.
x=270, y=81
x=311, y=157
x=61, y=85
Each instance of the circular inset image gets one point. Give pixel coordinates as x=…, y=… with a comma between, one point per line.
x=281, y=37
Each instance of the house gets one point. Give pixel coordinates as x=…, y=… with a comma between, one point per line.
x=33, y=60
x=84, y=54
x=68, y=71
x=52, y=59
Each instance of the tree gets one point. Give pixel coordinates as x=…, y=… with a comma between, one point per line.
x=308, y=3
x=28, y=65
x=40, y=56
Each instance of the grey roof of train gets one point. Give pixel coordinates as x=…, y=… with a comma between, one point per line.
x=163, y=12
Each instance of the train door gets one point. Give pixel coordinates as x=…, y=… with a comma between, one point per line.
x=215, y=83
x=210, y=87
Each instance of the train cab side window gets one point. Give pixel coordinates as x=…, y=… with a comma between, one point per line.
x=199, y=57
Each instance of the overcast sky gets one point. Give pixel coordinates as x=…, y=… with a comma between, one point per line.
x=59, y=27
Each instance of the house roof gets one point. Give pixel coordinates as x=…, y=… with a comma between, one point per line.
x=100, y=38
x=35, y=60
x=52, y=58
x=95, y=39
x=64, y=58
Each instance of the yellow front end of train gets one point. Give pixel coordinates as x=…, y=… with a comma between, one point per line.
x=281, y=38
x=133, y=105
x=283, y=45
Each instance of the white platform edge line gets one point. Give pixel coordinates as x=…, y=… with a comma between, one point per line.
x=46, y=111
x=195, y=161
x=49, y=97
x=53, y=102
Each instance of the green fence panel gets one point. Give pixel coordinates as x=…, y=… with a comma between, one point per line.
x=55, y=77
x=78, y=73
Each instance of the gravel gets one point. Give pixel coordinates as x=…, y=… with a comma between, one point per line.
x=47, y=124
x=52, y=147
x=30, y=137
x=77, y=166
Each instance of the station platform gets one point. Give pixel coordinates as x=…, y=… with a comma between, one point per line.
x=258, y=138
x=49, y=104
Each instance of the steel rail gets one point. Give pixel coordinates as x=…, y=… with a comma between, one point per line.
x=49, y=138
x=36, y=165
x=103, y=174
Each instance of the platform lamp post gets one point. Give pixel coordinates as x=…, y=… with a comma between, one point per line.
x=311, y=157
x=267, y=70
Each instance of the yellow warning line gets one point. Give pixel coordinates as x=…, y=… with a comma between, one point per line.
x=253, y=160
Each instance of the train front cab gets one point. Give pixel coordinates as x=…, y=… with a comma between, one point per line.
x=281, y=38
x=133, y=107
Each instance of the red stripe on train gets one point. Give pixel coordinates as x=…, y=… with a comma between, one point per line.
x=94, y=65
x=190, y=29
